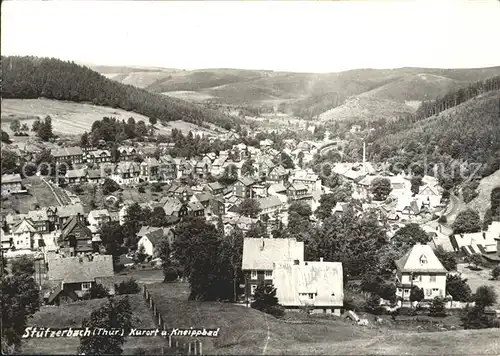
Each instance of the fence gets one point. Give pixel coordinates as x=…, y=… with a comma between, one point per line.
x=191, y=348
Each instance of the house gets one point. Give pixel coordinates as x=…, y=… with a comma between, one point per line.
x=263, y=165
x=430, y=196
x=167, y=169
x=70, y=277
x=150, y=169
x=76, y=238
x=218, y=206
x=242, y=188
x=174, y=207
x=218, y=165
x=94, y=176
x=68, y=154
x=11, y=184
x=317, y=286
x=99, y=217
x=270, y=205
x=476, y=242
x=195, y=209
x=127, y=153
x=23, y=235
x=297, y=191
x=65, y=212
x=98, y=156
x=308, y=178
x=151, y=240
x=40, y=220
x=201, y=169
x=126, y=173
x=75, y=176
x=278, y=175
x=264, y=144
x=355, y=128
x=215, y=188
x=259, y=256
x=420, y=267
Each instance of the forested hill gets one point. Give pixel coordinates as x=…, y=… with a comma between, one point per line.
x=468, y=133
x=33, y=77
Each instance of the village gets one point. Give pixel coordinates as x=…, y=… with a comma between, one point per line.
x=243, y=188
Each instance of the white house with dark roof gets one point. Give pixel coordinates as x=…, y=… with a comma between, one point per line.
x=420, y=267
x=315, y=285
x=259, y=255
x=65, y=154
x=11, y=184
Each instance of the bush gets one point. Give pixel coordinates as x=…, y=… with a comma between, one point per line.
x=96, y=291
x=437, y=307
x=373, y=305
x=265, y=300
x=170, y=274
x=475, y=318
x=458, y=288
x=485, y=296
x=442, y=219
x=495, y=272
x=127, y=287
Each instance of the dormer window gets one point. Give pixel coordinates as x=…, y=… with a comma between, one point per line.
x=253, y=274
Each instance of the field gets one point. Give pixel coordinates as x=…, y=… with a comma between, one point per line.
x=39, y=193
x=479, y=278
x=247, y=331
x=482, y=202
x=67, y=117
x=72, y=315
x=188, y=95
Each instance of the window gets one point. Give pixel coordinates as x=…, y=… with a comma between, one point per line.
x=253, y=287
x=433, y=279
x=417, y=277
x=253, y=275
x=269, y=274
x=428, y=292
x=406, y=291
x=435, y=290
x=86, y=285
x=311, y=295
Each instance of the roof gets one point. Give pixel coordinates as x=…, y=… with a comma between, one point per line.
x=269, y=202
x=38, y=215
x=97, y=213
x=66, y=151
x=215, y=186
x=204, y=197
x=277, y=188
x=128, y=167
x=94, y=173
x=146, y=230
x=171, y=205
x=155, y=236
x=195, y=206
x=70, y=210
x=246, y=181
x=75, y=173
x=11, y=178
x=278, y=170
x=324, y=279
x=297, y=186
x=70, y=225
x=24, y=225
x=80, y=269
x=420, y=259
x=260, y=253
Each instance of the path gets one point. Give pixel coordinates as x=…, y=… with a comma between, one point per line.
x=268, y=336
x=52, y=190
x=456, y=206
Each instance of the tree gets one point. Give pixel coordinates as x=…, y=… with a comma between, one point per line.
x=141, y=254
x=109, y=186
x=248, y=169
x=140, y=129
x=15, y=125
x=23, y=265
x=36, y=125
x=111, y=232
x=381, y=188
x=153, y=120
x=475, y=318
x=467, y=221
x=416, y=182
x=476, y=259
x=458, y=288
x=485, y=296
x=230, y=174
x=196, y=247
x=115, y=153
x=326, y=204
x=286, y=161
x=5, y=137
x=410, y=235
x=437, y=307
x=495, y=272
x=446, y=258
x=158, y=217
x=45, y=130
x=129, y=286
x=20, y=300
x=25, y=127
x=416, y=294
x=113, y=315
x=266, y=301
x=250, y=208
x=84, y=140
x=97, y=291
x=495, y=201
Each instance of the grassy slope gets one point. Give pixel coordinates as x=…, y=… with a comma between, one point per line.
x=482, y=202
x=72, y=315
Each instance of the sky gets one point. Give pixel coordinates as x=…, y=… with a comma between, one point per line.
x=312, y=36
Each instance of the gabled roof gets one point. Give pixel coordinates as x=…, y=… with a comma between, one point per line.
x=98, y=213
x=128, y=167
x=155, y=236
x=80, y=269
x=215, y=186
x=146, y=230
x=11, y=178
x=204, y=197
x=38, y=215
x=66, y=151
x=76, y=173
x=259, y=254
x=420, y=259
x=172, y=205
x=324, y=279
x=195, y=206
x=278, y=170
x=94, y=173
x=277, y=188
x=23, y=226
x=269, y=202
x=71, y=224
x=246, y=181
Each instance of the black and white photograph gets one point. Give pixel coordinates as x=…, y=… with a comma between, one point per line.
x=250, y=177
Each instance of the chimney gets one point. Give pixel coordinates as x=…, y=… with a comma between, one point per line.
x=321, y=259
x=296, y=262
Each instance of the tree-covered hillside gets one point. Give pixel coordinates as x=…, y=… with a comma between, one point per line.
x=32, y=77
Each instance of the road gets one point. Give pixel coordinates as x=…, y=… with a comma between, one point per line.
x=455, y=206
